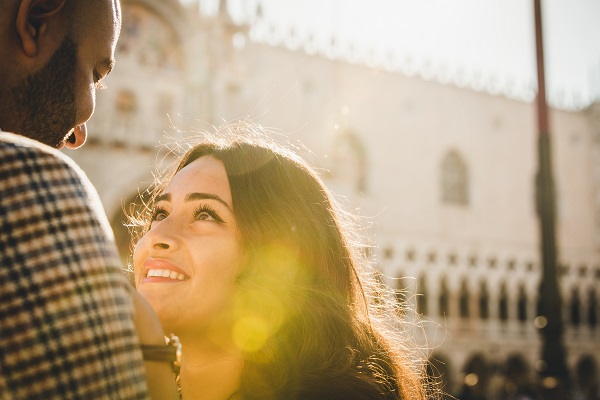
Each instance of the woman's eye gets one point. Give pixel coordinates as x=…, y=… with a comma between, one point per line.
x=159, y=215
x=204, y=216
x=206, y=213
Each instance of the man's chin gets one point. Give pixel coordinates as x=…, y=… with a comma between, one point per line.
x=52, y=140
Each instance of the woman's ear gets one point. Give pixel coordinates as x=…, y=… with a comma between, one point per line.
x=32, y=22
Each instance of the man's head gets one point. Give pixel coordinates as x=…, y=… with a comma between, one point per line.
x=53, y=54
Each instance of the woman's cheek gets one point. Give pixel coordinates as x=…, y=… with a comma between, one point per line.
x=138, y=258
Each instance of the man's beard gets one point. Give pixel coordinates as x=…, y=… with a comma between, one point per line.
x=45, y=100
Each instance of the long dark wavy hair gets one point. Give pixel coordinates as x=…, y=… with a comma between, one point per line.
x=313, y=320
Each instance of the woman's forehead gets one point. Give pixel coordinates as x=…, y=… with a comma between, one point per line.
x=207, y=174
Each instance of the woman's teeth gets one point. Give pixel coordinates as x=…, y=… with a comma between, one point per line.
x=165, y=273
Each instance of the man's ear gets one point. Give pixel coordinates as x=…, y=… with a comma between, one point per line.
x=32, y=21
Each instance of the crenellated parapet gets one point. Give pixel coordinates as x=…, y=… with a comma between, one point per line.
x=428, y=68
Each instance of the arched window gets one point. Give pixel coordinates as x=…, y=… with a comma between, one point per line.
x=517, y=369
x=349, y=162
x=422, y=296
x=463, y=300
x=592, y=309
x=586, y=371
x=454, y=180
x=503, y=303
x=477, y=373
x=484, y=301
x=522, y=304
x=575, y=308
x=444, y=298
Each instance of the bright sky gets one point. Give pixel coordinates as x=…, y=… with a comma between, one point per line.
x=482, y=38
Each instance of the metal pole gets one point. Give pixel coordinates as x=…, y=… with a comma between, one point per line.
x=553, y=371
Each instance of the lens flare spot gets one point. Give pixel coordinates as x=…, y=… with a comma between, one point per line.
x=471, y=380
x=250, y=333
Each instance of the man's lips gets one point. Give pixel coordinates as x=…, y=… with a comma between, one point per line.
x=77, y=138
x=160, y=270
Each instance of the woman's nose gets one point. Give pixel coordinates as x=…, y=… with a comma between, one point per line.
x=162, y=237
x=161, y=246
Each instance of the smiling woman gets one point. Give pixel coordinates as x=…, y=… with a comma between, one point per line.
x=245, y=255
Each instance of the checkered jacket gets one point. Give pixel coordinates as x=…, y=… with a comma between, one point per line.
x=66, y=329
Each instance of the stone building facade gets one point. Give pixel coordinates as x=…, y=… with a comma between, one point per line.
x=443, y=170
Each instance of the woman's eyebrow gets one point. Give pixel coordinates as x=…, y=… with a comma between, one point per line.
x=206, y=196
x=163, y=197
